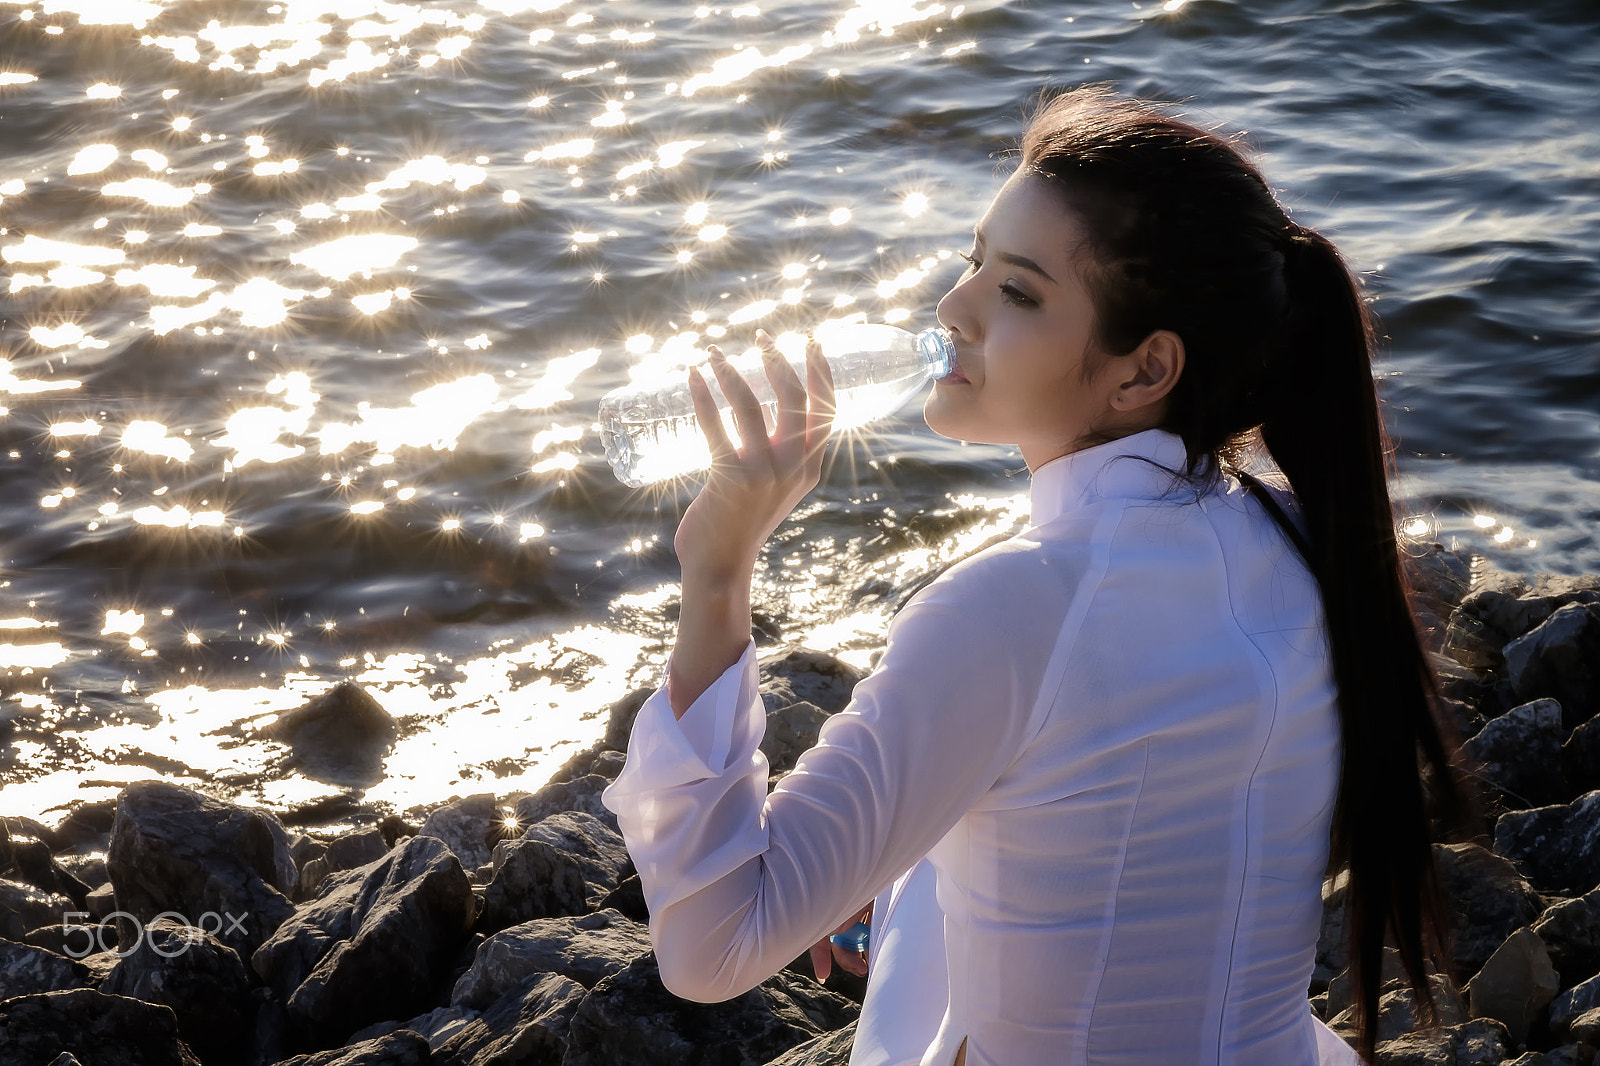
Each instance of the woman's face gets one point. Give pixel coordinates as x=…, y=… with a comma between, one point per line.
x=1022, y=323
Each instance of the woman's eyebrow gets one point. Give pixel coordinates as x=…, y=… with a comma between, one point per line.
x=1017, y=260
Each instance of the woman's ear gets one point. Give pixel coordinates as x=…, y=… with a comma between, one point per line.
x=1149, y=372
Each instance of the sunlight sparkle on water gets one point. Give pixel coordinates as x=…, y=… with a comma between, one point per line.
x=344, y=256
x=93, y=159
x=150, y=190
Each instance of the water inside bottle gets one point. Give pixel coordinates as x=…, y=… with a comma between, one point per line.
x=675, y=447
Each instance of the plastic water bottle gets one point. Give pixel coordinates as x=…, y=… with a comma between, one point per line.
x=650, y=431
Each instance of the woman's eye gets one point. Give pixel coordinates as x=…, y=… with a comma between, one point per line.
x=972, y=261
x=1016, y=296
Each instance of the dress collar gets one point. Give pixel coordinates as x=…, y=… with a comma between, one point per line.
x=1115, y=470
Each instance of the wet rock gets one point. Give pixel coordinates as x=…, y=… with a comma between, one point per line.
x=1515, y=985
x=1489, y=900
x=89, y=825
x=32, y=863
x=95, y=1028
x=402, y=917
x=72, y=940
x=800, y=675
x=90, y=869
x=1500, y=607
x=1574, y=1002
x=1570, y=930
x=399, y=1048
x=1560, y=659
x=577, y=794
x=1557, y=848
x=347, y=851
x=791, y=730
x=26, y=970
x=465, y=825
x=339, y=738
x=585, y=950
x=629, y=1019
x=200, y=978
x=1520, y=754
x=176, y=850
x=829, y=1049
x=1481, y=1042
x=24, y=908
x=528, y=1024
x=564, y=865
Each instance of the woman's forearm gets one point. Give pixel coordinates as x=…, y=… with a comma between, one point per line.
x=713, y=630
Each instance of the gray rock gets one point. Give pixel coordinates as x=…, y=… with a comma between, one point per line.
x=465, y=825
x=1481, y=1042
x=1503, y=606
x=1489, y=901
x=577, y=794
x=1519, y=753
x=1557, y=848
x=527, y=1025
x=200, y=978
x=1571, y=1004
x=1333, y=951
x=26, y=970
x=585, y=950
x=791, y=729
x=564, y=865
x=1570, y=930
x=402, y=917
x=23, y=908
x=1515, y=985
x=1397, y=1011
x=176, y=850
x=799, y=675
x=829, y=1049
x=348, y=851
x=95, y=1028
x=1566, y=1055
x=399, y=1048
x=101, y=902
x=1585, y=1028
x=436, y=1027
x=629, y=1019
x=1580, y=759
x=619, y=720
x=1560, y=659
x=339, y=738
x=71, y=939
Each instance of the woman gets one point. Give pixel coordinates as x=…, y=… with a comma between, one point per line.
x=1121, y=738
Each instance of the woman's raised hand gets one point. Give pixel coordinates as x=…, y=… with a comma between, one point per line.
x=755, y=485
x=751, y=489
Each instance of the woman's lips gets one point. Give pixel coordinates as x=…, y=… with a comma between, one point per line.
x=955, y=377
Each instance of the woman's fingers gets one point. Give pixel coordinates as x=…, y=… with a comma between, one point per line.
x=819, y=417
x=790, y=425
x=709, y=418
x=747, y=417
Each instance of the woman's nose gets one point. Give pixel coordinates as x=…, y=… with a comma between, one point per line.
x=953, y=310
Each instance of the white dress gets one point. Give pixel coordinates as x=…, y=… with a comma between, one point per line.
x=1112, y=737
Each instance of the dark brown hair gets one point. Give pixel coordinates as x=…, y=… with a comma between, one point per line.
x=1183, y=234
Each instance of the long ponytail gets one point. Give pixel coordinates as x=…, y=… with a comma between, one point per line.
x=1324, y=431
x=1183, y=234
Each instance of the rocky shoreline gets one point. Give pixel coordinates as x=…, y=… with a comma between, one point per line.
x=172, y=927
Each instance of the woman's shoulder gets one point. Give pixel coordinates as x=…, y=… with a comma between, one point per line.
x=1015, y=573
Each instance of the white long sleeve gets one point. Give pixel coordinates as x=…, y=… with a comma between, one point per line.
x=1113, y=737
